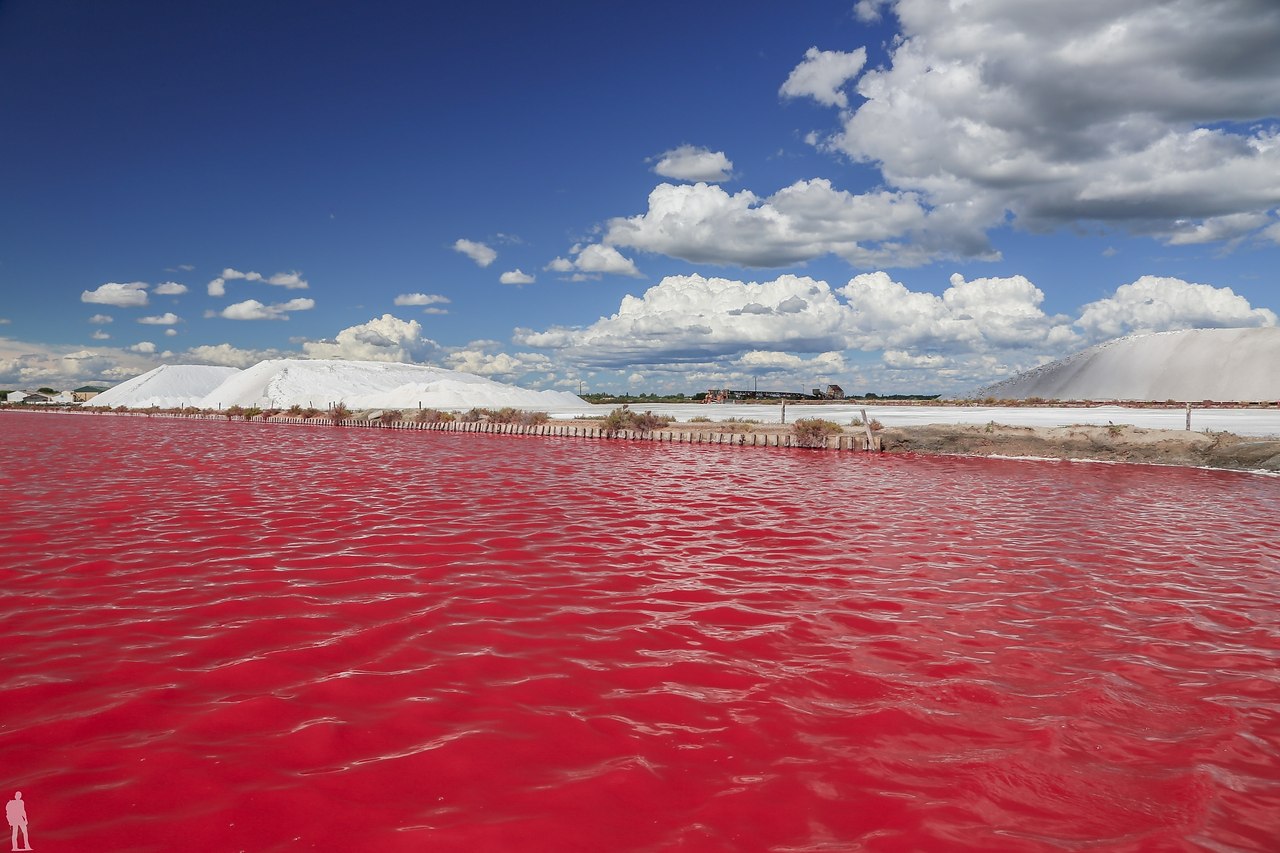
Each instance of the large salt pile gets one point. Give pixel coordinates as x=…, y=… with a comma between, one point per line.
x=1192, y=365
x=168, y=386
x=280, y=383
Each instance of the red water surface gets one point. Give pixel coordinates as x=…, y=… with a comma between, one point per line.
x=227, y=636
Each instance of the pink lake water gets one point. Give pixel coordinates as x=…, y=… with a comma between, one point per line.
x=227, y=636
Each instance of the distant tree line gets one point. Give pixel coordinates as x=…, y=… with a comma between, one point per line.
x=610, y=397
x=872, y=395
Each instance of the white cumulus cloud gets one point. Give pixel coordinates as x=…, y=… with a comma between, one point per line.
x=1154, y=117
x=252, y=309
x=1159, y=304
x=594, y=260
x=287, y=280
x=166, y=319
x=1217, y=229
x=693, y=163
x=169, y=288
x=478, y=252
x=823, y=74
x=130, y=295
x=692, y=318
x=897, y=359
x=868, y=11
x=228, y=355
x=978, y=315
x=820, y=366
x=25, y=364
x=516, y=276
x=499, y=364
x=806, y=220
x=143, y=347
x=101, y=319
x=421, y=299
x=385, y=338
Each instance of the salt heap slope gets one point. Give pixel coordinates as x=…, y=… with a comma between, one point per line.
x=1196, y=364
x=319, y=383
x=167, y=386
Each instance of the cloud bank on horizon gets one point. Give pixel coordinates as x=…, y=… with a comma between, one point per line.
x=922, y=196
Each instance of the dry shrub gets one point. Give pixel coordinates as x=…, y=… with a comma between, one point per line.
x=506, y=415
x=814, y=432
x=432, y=416
x=624, y=419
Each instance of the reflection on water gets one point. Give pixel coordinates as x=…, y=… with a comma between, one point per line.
x=224, y=636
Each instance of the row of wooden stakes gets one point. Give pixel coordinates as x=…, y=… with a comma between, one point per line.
x=867, y=442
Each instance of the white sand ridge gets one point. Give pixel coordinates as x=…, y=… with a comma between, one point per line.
x=168, y=386
x=320, y=383
x=1225, y=365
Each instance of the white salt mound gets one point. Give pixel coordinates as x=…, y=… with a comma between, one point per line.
x=319, y=383
x=168, y=386
x=1197, y=364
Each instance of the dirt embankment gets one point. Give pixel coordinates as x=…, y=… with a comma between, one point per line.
x=1105, y=443
x=1109, y=443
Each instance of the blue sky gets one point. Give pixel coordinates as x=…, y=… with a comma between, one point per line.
x=894, y=196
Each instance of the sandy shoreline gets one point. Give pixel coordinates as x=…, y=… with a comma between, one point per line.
x=1119, y=443
x=1112, y=443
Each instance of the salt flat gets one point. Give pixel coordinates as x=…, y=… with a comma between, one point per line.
x=1257, y=422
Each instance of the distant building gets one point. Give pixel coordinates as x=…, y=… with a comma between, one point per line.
x=85, y=393
x=28, y=397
